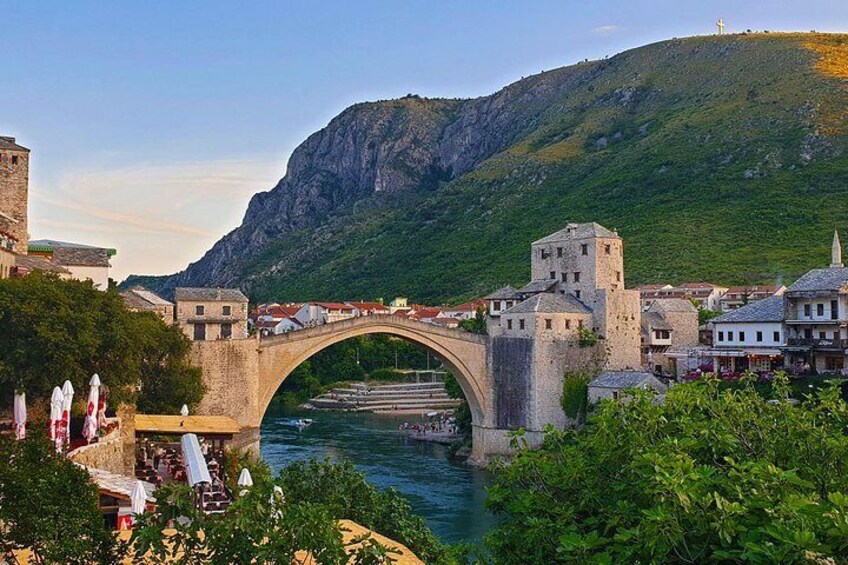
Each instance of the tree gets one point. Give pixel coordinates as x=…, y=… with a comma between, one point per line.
x=477, y=324
x=260, y=526
x=711, y=475
x=53, y=330
x=49, y=505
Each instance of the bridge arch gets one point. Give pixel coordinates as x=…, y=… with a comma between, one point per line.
x=464, y=354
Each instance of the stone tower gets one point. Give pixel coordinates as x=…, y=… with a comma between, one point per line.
x=14, y=189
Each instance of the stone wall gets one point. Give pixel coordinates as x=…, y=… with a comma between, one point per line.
x=512, y=378
x=231, y=374
x=106, y=454
x=618, y=320
x=14, y=189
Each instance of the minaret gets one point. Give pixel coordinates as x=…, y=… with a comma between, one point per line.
x=836, y=252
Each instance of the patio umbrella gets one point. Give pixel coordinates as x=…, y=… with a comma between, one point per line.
x=67, y=401
x=89, y=428
x=56, y=416
x=245, y=480
x=184, y=411
x=20, y=415
x=138, y=499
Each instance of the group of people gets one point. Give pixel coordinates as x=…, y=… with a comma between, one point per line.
x=443, y=424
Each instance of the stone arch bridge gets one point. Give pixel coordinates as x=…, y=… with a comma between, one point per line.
x=243, y=375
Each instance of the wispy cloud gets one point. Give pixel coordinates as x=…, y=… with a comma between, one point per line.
x=605, y=29
x=160, y=217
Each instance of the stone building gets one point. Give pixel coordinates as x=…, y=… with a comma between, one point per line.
x=575, y=315
x=750, y=338
x=612, y=384
x=14, y=188
x=8, y=244
x=139, y=299
x=586, y=261
x=669, y=331
x=211, y=313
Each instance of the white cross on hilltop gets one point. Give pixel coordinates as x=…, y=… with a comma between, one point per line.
x=720, y=24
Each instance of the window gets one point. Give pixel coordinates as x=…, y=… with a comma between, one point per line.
x=576, y=294
x=509, y=324
x=776, y=337
x=199, y=310
x=568, y=324
x=497, y=305
x=618, y=276
x=584, y=249
x=14, y=159
x=807, y=311
x=741, y=336
x=553, y=275
x=759, y=336
x=226, y=331
x=607, y=248
x=227, y=310
x=834, y=310
x=579, y=323
x=199, y=332
x=577, y=277
x=808, y=333
x=819, y=309
x=564, y=277
x=521, y=324
x=548, y=324
x=721, y=336
x=822, y=335
x=559, y=251
x=729, y=336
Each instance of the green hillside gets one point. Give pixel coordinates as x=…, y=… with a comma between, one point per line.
x=716, y=158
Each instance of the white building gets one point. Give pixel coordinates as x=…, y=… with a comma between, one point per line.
x=84, y=262
x=750, y=338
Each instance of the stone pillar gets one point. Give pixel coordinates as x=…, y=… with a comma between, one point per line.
x=126, y=415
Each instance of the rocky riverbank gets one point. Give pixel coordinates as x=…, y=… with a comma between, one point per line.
x=409, y=398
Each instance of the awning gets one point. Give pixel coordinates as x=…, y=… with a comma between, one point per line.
x=179, y=425
x=750, y=352
x=118, y=486
x=195, y=464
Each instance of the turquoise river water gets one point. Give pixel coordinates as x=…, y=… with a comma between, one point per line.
x=448, y=494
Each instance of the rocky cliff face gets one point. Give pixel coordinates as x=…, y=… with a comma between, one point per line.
x=393, y=192
x=372, y=152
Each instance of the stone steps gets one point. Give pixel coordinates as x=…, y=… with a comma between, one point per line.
x=377, y=398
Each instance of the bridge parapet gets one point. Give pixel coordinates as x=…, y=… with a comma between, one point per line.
x=373, y=319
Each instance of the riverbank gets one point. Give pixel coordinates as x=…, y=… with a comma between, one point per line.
x=398, y=398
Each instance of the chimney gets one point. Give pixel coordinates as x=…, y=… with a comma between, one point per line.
x=836, y=252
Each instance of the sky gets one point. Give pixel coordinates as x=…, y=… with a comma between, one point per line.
x=152, y=124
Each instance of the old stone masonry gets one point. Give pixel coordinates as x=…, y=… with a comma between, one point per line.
x=574, y=315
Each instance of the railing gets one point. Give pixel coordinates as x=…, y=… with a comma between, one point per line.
x=817, y=342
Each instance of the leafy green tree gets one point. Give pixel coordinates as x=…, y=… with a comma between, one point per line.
x=463, y=412
x=53, y=330
x=49, y=505
x=260, y=526
x=477, y=324
x=711, y=475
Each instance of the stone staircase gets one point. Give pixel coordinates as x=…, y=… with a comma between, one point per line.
x=386, y=398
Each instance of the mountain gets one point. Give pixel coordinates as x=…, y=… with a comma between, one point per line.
x=719, y=158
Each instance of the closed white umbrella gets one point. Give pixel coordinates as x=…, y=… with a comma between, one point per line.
x=245, y=480
x=89, y=428
x=67, y=402
x=184, y=411
x=56, y=417
x=138, y=499
x=20, y=415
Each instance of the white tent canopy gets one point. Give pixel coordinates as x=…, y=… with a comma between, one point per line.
x=196, y=470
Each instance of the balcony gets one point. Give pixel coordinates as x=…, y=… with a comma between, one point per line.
x=817, y=343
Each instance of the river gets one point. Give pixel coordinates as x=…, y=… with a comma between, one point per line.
x=448, y=494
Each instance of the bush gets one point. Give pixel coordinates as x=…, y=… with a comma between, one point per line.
x=50, y=506
x=711, y=475
x=575, y=391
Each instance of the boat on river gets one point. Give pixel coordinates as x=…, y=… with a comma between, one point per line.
x=302, y=423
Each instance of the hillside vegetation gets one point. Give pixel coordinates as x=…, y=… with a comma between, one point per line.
x=716, y=158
